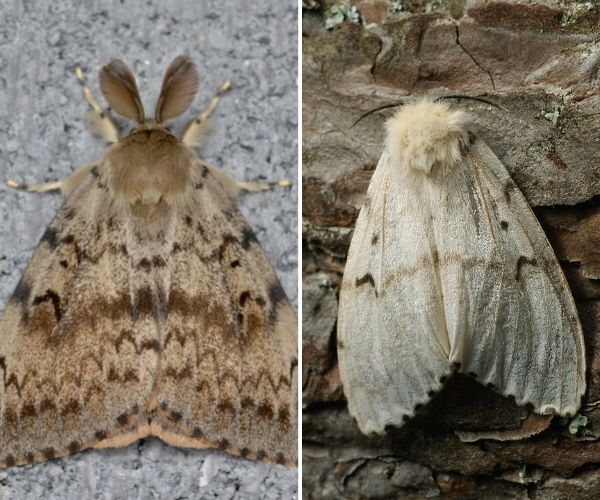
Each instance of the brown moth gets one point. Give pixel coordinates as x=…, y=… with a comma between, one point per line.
x=148, y=307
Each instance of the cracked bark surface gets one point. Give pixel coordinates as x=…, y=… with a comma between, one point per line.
x=473, y=58
x=538, y=61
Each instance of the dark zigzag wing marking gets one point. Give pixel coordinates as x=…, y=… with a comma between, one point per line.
x=237, y=385
x=60, y=334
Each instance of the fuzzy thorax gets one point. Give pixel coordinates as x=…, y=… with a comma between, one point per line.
x=425, y=134
x=150, y=167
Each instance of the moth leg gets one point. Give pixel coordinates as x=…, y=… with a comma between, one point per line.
x=66, y=186
x=233, y=186
x=196, y=129
x=99, y=119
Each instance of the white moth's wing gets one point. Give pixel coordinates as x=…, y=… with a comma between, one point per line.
x=78, y=345
x=228, y=375
x=511, y=318
x=392, y=344
x=460, y=274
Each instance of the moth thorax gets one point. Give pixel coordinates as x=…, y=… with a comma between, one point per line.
x=150, y=167
x=426, y=134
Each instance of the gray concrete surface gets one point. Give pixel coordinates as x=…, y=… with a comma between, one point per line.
x=43, y=137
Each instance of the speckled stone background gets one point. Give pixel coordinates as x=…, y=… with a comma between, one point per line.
x=43, y=137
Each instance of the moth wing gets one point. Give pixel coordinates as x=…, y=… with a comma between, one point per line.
x=78, y=352
x=392, y=343
x=228, y=375
x=453, y=269
x=514, y=323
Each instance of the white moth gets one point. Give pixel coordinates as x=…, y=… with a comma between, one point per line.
x=449, y=270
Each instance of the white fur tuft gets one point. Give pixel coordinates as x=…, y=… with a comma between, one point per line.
x=425, y=134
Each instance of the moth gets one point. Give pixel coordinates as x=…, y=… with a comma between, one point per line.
x=449, y=270
x=148, y=307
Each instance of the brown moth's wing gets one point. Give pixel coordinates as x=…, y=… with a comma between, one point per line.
x=228, y=371
x=78, y=340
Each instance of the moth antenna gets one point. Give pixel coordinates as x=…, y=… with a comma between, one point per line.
x=120, y=90
x=453, y=96
x=179, y=87
x=370, y=112
x=471, y=98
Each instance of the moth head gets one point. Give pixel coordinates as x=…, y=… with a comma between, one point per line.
x=179, y=87
x=149, y=168
x=425, y=134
